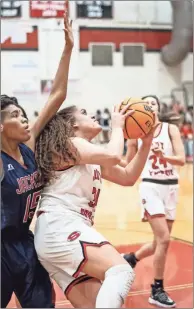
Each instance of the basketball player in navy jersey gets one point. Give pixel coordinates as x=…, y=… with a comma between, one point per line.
x=21, y=271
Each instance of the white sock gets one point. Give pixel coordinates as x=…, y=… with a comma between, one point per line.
x=116, y=286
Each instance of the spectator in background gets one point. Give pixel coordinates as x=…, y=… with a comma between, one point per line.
x=183, y=117
x=36, y=114
x=189, y=114
x=187, y=136
x=46, y=86
x=105, y=125
x=163, y=108
x=98, y=116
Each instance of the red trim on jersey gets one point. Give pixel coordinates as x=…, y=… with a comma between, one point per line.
x=40, y=212
x=159, y=131
x=75, y=282
x=84, y=245
x=147, y=215
x=53, y=295
x=169, y=132
x=64, y=169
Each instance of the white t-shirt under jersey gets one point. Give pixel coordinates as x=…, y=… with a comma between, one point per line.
x=155, y=168
x=74, y=192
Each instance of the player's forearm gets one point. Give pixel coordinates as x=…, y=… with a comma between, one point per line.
x=136, y=165
x=175, y=160
x=56, y=97
x=61, y=77
x=116, y=144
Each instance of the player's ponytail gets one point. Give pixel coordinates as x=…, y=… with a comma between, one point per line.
x=170, y=117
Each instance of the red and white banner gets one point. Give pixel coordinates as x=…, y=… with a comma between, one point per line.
x=46, y=9
x=19, y=36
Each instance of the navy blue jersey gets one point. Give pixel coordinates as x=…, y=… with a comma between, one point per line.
x=20, y=191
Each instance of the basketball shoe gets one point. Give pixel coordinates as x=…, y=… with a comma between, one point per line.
x=160, y=298
x=131, y=259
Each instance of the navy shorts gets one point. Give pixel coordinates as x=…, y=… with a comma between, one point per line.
x=22, y=273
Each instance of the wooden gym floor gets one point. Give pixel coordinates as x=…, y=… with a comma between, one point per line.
x=118, y=219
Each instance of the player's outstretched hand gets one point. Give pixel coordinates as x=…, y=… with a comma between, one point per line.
x=69, y=40
x=118, y=116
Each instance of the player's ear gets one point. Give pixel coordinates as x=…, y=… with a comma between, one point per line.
x=75, y=126
x=1, y=128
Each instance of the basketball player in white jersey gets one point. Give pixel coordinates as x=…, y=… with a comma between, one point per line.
x=88, y=269
x=158, y=194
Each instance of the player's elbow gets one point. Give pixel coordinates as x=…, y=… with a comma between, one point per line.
x=61, y=96
x=182, y=161
x=114, y=159
x=58, y=96
x=129, y=183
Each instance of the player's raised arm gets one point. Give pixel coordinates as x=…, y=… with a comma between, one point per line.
x=112, y=154
x=59, y=88
x=129, y=175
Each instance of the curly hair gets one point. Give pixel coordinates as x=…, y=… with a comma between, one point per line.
x=6, y=101
x=54, y=146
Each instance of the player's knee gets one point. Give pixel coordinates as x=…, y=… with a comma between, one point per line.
x=121, y=278
x=164, y=240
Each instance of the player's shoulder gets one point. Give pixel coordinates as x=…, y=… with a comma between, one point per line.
x=173, y=129
x=26, y=149
x=26, y=152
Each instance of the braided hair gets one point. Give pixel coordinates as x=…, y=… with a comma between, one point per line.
x=54, y=147
x=6, y=101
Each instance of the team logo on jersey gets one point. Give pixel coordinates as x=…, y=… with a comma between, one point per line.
x=10, y=167
x=143, y=201
x=73, y=236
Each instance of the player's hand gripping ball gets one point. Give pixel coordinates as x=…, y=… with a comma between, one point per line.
x=141, y=121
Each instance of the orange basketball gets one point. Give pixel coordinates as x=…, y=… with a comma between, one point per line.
x=141, y=121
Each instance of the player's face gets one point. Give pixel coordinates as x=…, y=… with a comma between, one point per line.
x=86, y=124
x=15, y=125
x=152, y=103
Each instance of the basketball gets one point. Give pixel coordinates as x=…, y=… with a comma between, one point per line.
x=140, y=122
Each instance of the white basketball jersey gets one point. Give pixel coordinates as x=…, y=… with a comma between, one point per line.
x=75, y=192
x=155, y=167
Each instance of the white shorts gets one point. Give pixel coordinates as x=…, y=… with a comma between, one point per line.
x=61, y=247
x=158, y=200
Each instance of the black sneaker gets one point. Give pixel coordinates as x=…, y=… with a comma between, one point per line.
x=160, y=298
x=131, y=259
